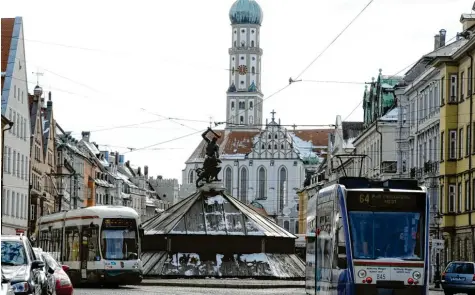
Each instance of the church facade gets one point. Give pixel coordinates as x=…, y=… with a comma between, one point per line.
x=262, y=164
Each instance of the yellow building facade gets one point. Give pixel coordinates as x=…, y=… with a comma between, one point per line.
x=457, y=149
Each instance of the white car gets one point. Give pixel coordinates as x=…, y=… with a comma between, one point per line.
x=6, y=288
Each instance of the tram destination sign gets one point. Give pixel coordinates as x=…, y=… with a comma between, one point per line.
x=119, y=222
x=361, y=200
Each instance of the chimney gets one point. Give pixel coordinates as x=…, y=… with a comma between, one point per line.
x=442, y=37
x=436, y=41
x=139, y=171
x=117, y=158
x=145, y=171
x=85, y=135
x=127, y=164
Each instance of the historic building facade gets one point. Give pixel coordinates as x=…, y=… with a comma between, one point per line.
x=262, y=164
x=17, y=140
x=457, y=156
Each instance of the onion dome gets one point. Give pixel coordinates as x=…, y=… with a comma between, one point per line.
x=245, y=12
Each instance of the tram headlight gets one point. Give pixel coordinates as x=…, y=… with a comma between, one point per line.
x=362, y=273
x=416, y=275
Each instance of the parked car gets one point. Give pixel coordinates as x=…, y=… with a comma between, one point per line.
x=459, y=277
x=6, y=288
x=21, y=267
x=58, y=281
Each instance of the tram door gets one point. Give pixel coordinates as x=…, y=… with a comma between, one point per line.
x=84, y=251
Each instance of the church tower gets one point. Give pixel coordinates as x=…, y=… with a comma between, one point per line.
x=244, y=96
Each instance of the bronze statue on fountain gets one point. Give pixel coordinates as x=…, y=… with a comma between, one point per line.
x=211, y=166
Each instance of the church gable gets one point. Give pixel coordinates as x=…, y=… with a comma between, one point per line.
x=274, y=142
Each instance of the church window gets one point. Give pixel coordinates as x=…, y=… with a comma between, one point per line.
x=252, y=31
x=296, y=226
x=263, y=146
x=253, y=70
x=190, y=177
x=269, y=136
x=235, y=44
x=242, y=57
x=243, y=31
x=275, y=146
x=287, y=225
x=242, y=105
x=269, y=147
x=241, y=119
x=282, y=146
x=233, y=58
x=275, y=136
x=253, y=58
x=232, y=104
x=243, y=189
x=228, y=181
x=251, y=105
x=235, y=31
x=232, y=70
x=282, y=188
x=252, y=43
x=261, y=182
x=242, y=82
x=243, y=43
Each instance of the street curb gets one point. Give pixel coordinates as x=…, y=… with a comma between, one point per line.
x=218, y=285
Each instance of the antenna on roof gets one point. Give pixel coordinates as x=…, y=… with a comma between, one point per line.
x=38, y=74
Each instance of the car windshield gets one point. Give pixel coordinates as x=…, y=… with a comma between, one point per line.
x=13, y=253
x=119, y=244
x=461, y=268
x=386, y=235
x=50, y=261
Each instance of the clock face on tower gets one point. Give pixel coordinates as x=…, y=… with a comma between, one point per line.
x=242, y=69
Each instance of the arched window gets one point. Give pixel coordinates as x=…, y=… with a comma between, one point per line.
x=243, y=188
x=252, y=43
x=190, y=177
x=251, y=105
x=228, y=180
x=282, y=146
x=261, y=182
x=232, y=104
x=263, y=146
x=282, y=188
x=253, y=70
x=241, y=119
x=287, y=225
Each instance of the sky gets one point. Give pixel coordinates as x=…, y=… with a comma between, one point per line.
x=115, y=63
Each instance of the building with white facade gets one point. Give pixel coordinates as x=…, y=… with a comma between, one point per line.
x=16, y=143
x=263, y=167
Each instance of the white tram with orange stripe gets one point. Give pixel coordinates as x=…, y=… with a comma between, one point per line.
x=372, y=238
x=100, y=244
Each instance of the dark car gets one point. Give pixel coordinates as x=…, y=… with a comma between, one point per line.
x=58, y=280
x=459, y=277
x=21, y=267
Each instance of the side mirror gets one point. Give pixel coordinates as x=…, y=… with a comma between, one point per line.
x=133, y=256
x=342, y=263
x=50, y=270
x=65, y=267
x=37, y=264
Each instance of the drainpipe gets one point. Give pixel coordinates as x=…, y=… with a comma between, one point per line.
x=470, y=187
x=10, y=125
x=380, y=147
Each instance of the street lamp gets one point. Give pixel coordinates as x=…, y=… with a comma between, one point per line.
x=438, y=222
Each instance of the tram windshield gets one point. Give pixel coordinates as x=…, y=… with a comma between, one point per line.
x=377, y=235
x=119, y=240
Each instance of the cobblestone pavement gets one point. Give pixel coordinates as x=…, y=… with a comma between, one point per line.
x=152, y=290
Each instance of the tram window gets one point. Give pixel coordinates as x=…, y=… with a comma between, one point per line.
x=72, y=244
x=93, y=246
x=56, y=243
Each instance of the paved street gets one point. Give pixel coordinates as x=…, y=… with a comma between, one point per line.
x=151, y=290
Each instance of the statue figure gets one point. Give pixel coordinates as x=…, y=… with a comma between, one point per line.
x=210, y=170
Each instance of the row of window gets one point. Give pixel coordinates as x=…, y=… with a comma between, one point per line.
x=19, y=128
x=14, y=204
x=242, y=105
x=425, y=105
x=18, y=93
x=462, y=88
x=371, y=163
x=243, y=44
x=427, y=150
x=15, y=163
x=458, y=143
x=241, y=120
x=459, y=199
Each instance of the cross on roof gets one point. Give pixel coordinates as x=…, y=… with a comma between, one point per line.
x=273, y=113
x=38, y=74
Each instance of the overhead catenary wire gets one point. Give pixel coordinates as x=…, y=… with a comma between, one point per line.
x=334, y=40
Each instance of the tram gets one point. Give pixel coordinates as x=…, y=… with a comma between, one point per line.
x=371, y=238
x=99, y=244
